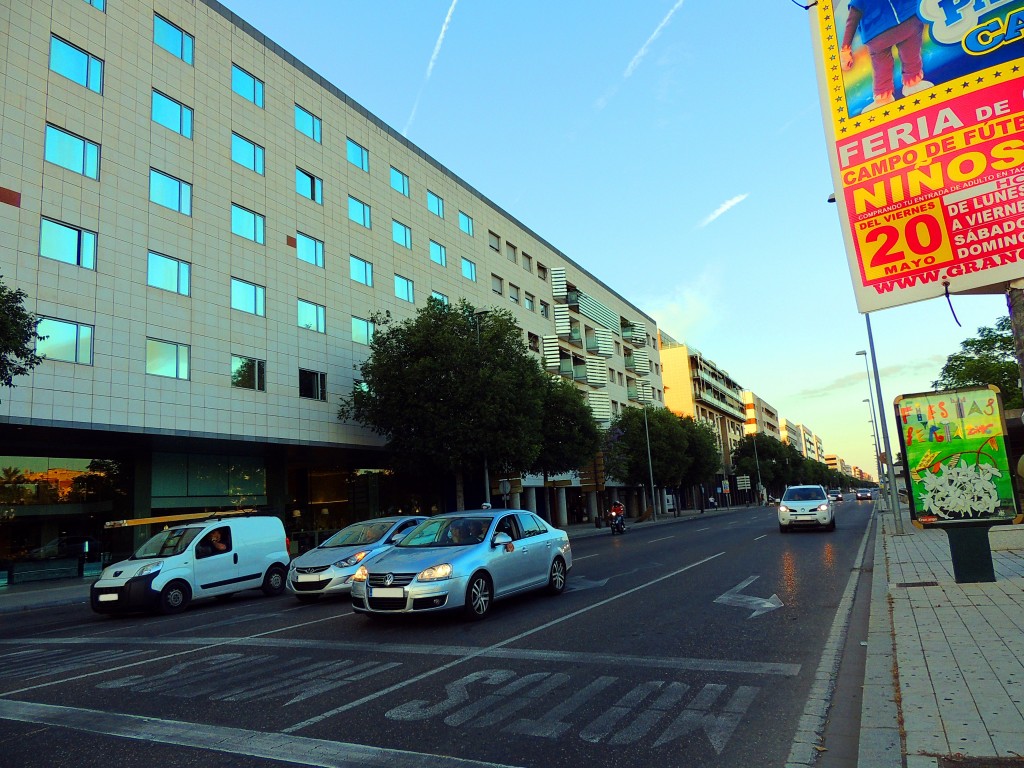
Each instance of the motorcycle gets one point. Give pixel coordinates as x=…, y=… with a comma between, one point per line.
x=617, y=521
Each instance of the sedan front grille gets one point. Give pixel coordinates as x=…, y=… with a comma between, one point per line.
x=312, y=569
x=387, y=603
x=398, y=579
x=310, y=586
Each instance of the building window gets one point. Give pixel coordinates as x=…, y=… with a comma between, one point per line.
x=172, y=114
x=245, y=152
x=435, y=204
x=466, y=223
x=399, y=181
x=165, y=358
x=511, y=253
x=528, y=302
x=71, y=245
x=173, y=39
x=99, y=5
x=513, y=293
x=308, y=124
x=248, y=224
x=357, y=155
x=528, y=262
x=72, y=152
x=468, y=269
x=401, y=234
x=75, y=64
x=248, y=373
x=542, y=271
x=360, y=271
x=438, y=253
x=359, y=212
x=247, y=86
x=168, y=274
x=65, y=341
x=362, y=331
x=611, y=375
x=309, y=249
x=313, y=385
x=533, y=341
x=308, y=185
x=404, y=289
x=545, y=309
x=312, y=316
x=497, y=285
x=248, y=297
x=440, y=297
x=170, y=192
x=494, y=242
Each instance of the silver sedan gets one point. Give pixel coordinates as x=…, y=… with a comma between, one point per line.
x=466, y=561
x=328, y=568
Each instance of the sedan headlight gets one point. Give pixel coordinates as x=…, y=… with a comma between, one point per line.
x=352, y=559
x=435, y=573
x=150, y=568
x=361, y=575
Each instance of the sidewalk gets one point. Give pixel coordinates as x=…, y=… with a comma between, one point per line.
x=959, y=658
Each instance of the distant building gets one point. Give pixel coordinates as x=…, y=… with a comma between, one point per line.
x=761, y=417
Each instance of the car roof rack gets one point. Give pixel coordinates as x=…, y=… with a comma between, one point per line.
x=197, y=516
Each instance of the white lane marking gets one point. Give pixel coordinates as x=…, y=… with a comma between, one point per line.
x=482, y=651
x=577, y=559
x=663, y=538
x=765, y=536
x=703, y=529
x=759, y=604
x=298, y=750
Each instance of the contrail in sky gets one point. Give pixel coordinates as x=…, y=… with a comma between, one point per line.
x=430, y=66
x=603, y=100
x=734, y=201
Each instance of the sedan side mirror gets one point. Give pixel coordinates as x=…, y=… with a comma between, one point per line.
x=500, y=540
x=396, y=538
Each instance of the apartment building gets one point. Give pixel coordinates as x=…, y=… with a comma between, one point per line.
x=761, y=417
x=206, y=227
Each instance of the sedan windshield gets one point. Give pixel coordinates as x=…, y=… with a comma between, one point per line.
x=448, y=532
x=173, y=541
x=358, y=534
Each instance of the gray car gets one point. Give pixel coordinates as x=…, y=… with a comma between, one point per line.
x=328, y=568
x=466, y=561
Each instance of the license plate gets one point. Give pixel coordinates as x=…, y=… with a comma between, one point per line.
x=307, y=577
x=109, y=597
x=387, y=592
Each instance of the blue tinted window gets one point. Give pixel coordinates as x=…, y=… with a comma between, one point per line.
x=245, y=152
x=312, y=316
x=165, y=358
x=246, y=85
x=307, y=123
x=308, y=185
x=359, y=212
x=357, y=155
x=72, y=152
x=249, y=373
x=68, y=244
x=309, y=249
x=168, y=274
x=439, y=296
x=399, y=181
x=172, y=114
x=435, y=204
x=404, y=288
x=362, y=331
x=99, y=5
x=438, y=253
x=170, y=192
x=466, y=223
x=75, y=64
x=401, y=234
x=359, y=270
x=173, y=39
x=468, y=270
x=247, y=297
x=247, y=224
x=64, y=340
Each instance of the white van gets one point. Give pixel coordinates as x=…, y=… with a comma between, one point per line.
x=211, y=558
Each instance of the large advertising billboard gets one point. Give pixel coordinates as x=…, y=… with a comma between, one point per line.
x=955, y=457
x=923, y=103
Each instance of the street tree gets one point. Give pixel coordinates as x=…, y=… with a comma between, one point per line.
x=451, y=390
x=771, y=459
x=705, y=460
x=989, y=358
x=18, y=336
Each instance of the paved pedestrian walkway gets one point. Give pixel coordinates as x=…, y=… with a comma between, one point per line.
x=944, y=684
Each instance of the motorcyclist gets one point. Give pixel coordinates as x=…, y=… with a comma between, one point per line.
x=617, y=515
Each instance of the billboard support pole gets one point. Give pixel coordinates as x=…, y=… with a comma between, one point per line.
x=894, y=496
x=1015, y=305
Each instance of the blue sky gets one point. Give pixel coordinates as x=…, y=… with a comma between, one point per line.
x=673, y=148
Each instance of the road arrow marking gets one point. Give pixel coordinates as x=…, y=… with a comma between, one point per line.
x=759, y=605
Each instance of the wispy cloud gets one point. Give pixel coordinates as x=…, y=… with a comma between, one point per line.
x=930, y=365
x=430, y=66
x=730, y=203
x=602, y=101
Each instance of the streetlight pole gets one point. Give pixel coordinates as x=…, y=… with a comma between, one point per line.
x=650, y=466
x=757, y=463
x=874, y=437
x=478, y=316
x=894, y=498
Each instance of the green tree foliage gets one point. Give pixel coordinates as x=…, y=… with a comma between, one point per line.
x=781, y=464
x=17, y=336
x=988, y=359
x=705, y=460
x=571, y=437
x=448, y=389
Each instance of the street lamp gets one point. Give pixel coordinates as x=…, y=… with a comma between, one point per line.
x=478, y=316
x=874, y=437
x=650, y=466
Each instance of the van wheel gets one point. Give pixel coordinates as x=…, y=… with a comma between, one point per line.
x=783, y=528
x=274, y=581
x=831, y=526
x=175, y=597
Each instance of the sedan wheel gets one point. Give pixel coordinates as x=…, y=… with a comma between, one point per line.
x=479, y=596
x=556, y=580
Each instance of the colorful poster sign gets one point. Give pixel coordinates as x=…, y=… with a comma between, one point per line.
x=923, y=102
x=954, y=454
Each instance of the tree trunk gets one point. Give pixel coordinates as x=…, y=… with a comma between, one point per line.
x=460, y=491
x=1015, y=303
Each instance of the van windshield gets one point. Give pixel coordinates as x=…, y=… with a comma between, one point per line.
x=173, y=541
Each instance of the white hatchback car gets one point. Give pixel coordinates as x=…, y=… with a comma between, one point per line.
x=806, y=505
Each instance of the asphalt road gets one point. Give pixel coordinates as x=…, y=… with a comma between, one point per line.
x=709, y=642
